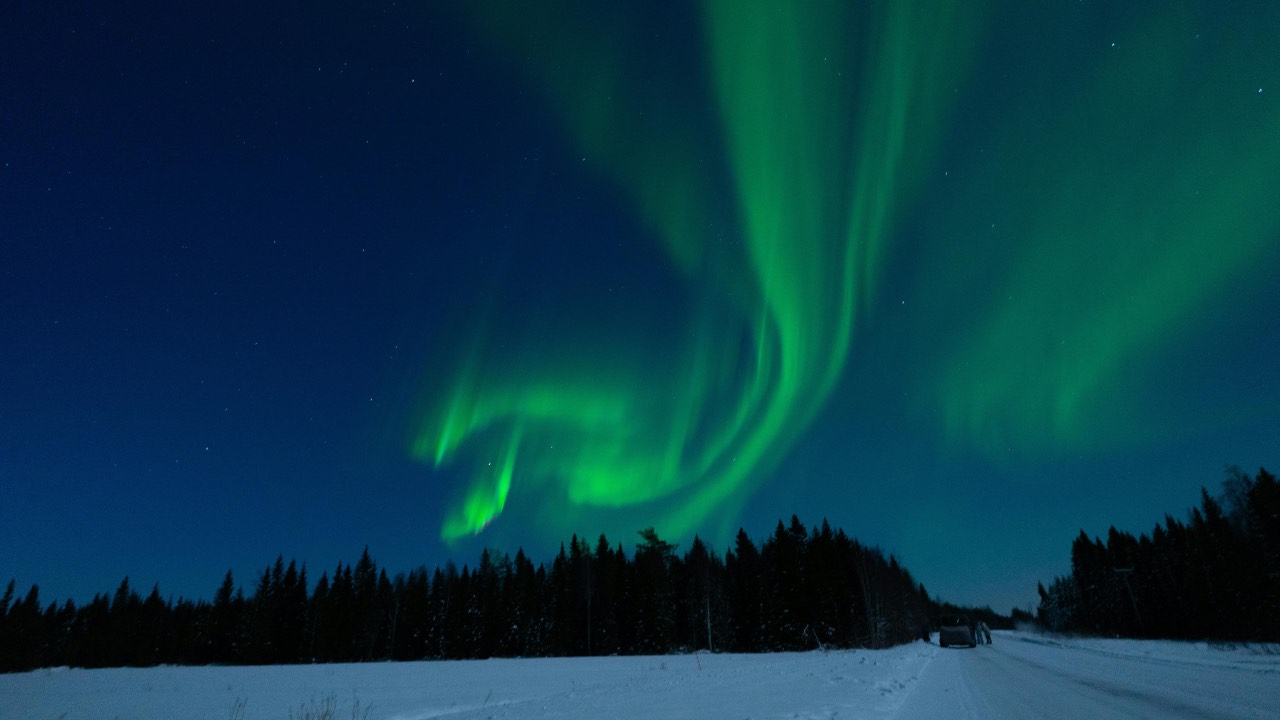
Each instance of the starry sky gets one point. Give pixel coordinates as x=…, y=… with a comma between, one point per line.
x=963, y=278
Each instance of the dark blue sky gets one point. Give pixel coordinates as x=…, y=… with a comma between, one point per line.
x=255, y=262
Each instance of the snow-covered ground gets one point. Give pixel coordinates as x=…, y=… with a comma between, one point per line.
x=1020, y=675
x=859, y=684
x=1024, y=675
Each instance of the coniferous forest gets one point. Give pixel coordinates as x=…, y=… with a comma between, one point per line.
x=799, y=589
x=1214, y=577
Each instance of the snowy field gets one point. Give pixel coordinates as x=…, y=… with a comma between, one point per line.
x=1020, y=675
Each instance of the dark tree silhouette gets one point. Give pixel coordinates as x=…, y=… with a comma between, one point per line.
x=1215, y=576
x=799, y=589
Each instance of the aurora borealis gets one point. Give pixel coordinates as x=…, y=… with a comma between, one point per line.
x=819, y=137
x=964, y=278
x=1153, y=202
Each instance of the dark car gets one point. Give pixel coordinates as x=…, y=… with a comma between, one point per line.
x=955, y=630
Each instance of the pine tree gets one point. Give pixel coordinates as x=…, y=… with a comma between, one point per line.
x=315, y=647
x=486, y=605
x=368, y=622
x=784, y=557
x=437, y=602
x=386, y=612
x=523, y=634
x=1263, y=534
x=291, y=607
x=652, y=594
x=743, y=570
x=5, y=601
x=219, y=633
x=23, y=634
x=606, y=577
x=560, y=612
x=704, y=621
x=126, y=625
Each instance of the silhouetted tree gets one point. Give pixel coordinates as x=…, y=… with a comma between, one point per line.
x=652, y=595
x=798, y=590
x=743, y=569
x=607, y=576
x=1214, y=576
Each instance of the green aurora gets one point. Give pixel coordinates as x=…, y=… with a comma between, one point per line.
x=774, y=166
x=1128, y=201
x=822, y=135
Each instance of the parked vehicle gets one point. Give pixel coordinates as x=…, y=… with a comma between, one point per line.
x=956, y=630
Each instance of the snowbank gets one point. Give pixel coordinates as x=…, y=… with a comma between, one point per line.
x=847, y=684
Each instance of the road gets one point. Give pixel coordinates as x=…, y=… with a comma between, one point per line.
x=1024, y=676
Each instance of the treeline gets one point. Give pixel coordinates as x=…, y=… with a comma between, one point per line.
x=1216, y=576
x=797, y=590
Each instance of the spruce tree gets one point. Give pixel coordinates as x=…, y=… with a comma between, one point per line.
x=652, y=594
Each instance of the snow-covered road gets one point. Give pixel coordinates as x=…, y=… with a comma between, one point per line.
x=1020, y=676
x=1032, y=676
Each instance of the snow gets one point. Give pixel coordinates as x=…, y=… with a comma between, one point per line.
x=1025, y=675
x=1020, y=675
x=859, y=684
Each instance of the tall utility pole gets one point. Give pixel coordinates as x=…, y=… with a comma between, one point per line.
x=1125, y=573
x=709, y=645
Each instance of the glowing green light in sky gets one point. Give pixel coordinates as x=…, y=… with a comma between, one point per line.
x=822, y=116
x=1121, y=219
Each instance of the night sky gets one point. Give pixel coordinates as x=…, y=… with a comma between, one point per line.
x=964, y=278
